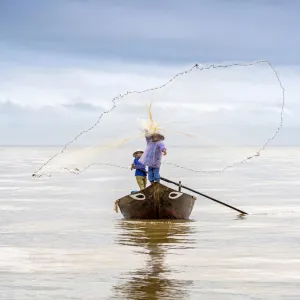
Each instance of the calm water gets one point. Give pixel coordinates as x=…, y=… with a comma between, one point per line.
x=60, y=238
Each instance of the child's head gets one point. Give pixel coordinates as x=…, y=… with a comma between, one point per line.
x=156, y=137
x=138, y=153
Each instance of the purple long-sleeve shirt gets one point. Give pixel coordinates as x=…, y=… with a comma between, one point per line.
x=153, y=153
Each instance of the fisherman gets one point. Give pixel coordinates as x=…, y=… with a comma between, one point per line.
x=140, y=170
x=153, y=154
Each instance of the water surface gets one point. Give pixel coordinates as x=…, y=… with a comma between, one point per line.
x=61, y=239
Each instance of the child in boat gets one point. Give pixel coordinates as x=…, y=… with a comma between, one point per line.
x=140, y=170
x=153, y=154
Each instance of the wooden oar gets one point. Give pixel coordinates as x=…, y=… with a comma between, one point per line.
x=213, y=199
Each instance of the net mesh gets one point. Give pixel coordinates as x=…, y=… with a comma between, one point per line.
x=208, y=108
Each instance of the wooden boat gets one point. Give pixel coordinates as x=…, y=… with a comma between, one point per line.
x=157, y=201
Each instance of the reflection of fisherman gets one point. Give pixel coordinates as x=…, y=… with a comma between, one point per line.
x=153, y=281
x=140, y=170
x=153, y=154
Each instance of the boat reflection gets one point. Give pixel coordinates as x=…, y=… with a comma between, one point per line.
x=154, y=239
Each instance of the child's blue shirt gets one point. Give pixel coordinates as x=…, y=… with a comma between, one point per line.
x=140, y=168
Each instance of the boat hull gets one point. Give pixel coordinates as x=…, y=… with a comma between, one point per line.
x=157, y=201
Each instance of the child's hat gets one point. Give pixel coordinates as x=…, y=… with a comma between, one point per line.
x=137, y=151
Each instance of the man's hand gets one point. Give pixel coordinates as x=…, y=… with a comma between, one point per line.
x=146, y=132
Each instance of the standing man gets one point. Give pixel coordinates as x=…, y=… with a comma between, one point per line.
x=153, y=154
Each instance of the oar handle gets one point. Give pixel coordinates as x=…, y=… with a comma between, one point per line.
x=213, y=199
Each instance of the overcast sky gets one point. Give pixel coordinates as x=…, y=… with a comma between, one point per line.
x=62, y=61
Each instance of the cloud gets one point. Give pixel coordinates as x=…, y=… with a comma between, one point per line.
x=139, y=31
x=65, y=101
x=43, y=125
x=63, y=61
x=83, y=106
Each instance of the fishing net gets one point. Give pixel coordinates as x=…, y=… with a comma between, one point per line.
x=203, y=111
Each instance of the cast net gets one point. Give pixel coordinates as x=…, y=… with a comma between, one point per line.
x=204, y=112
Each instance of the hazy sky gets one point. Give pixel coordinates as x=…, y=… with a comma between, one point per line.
x=61, y=61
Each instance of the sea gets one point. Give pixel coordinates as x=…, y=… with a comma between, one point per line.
x=60, y=238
